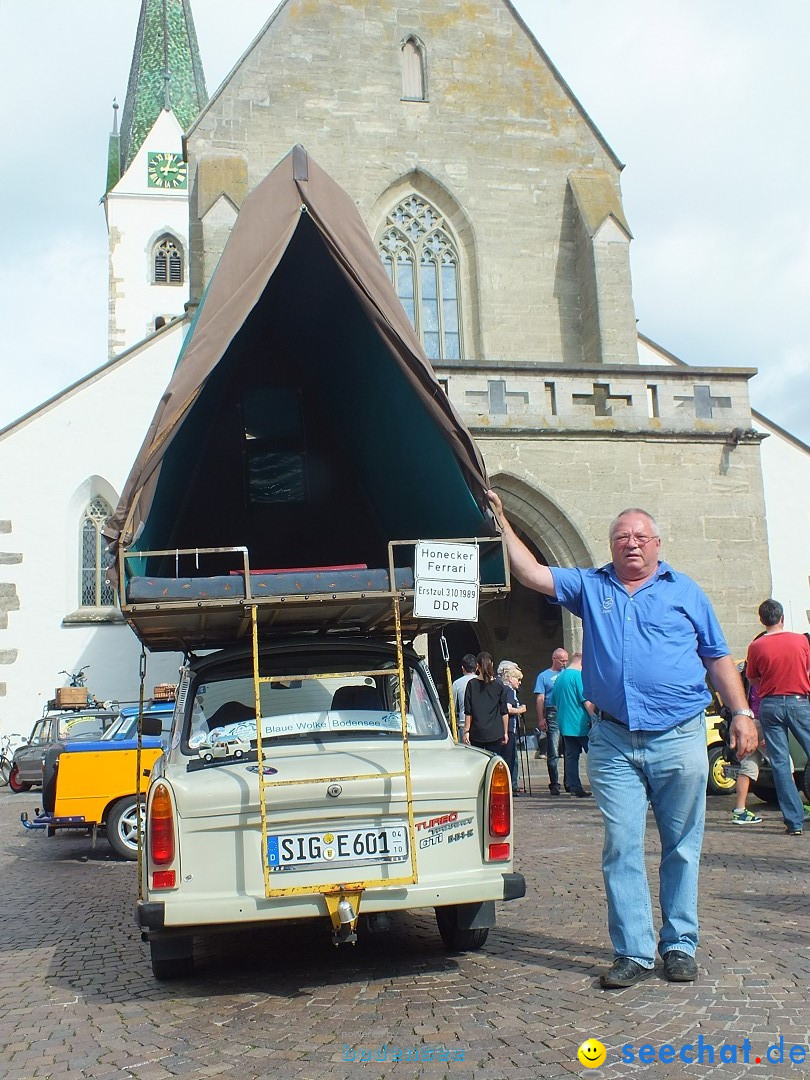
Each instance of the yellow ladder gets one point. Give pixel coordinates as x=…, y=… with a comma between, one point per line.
x=348, y=891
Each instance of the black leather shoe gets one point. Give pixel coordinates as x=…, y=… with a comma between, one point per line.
x=679, y=966
x=554, y=789
x=583, y=794
x=623, y=972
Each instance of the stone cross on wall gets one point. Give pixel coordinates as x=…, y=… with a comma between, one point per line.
x=601, y=398
x=496, y=397
x=704, y=403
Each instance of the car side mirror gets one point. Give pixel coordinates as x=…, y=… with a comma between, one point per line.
x=152, y=725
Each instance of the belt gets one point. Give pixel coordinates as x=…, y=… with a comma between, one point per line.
x=798, y=697
x=613, y=719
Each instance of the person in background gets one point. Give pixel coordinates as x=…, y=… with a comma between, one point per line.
x=486, y=716
x=468, y=664
x=547, y=716
x=650, y=636
x=574, y=720
x=778, y=665
x=511, y=676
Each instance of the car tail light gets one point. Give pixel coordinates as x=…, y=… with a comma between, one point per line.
x=161, y=827
x=500, y=802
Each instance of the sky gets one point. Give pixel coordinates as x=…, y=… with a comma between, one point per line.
x=705, y=101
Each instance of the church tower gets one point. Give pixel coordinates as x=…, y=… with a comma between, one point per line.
x=146, y=198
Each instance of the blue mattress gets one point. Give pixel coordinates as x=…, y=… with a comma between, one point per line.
x=232, y=586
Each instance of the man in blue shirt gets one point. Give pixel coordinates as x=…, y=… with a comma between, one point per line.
x=649, y=637
x=547, y=716
x=574, y=721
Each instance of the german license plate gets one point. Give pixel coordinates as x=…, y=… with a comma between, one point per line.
x=371, y=845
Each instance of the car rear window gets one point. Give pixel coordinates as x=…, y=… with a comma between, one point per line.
x=314, y=707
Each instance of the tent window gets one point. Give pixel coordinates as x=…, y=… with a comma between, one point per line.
x=413, y=70
x=421, y=258
x=167, y=262
x=275, y=451
x=95, y=559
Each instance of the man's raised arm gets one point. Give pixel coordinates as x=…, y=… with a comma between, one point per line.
x=524, y=566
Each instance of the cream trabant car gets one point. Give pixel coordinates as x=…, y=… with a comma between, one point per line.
x=332, y=815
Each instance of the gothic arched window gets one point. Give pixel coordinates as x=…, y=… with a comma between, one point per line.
x=96, y=560
x=167, y=262
x=413, y=70
x=421, y=258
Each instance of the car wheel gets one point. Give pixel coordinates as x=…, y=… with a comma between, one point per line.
x=171, y=959
x=15, y=783
x=122, y=827
x=454, y=936
x=718, y=783
x=764, y=792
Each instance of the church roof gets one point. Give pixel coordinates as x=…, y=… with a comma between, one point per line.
x=166, y=73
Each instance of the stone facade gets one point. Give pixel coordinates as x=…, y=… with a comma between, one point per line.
x=9, y=601
x=571, y=427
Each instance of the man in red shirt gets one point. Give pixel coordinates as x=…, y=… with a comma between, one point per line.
x=779, y=667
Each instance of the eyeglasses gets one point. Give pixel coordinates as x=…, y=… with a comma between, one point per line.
x=625, y=538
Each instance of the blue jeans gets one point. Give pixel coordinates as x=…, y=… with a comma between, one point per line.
x=777, y=714
x=668, y=769
x=573, y=746
x=552, y=747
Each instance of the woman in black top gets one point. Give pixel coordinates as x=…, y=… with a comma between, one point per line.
x=486, y=716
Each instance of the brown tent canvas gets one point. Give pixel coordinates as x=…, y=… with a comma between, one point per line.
x=303, y=420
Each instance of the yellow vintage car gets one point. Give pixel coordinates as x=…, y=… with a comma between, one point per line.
x=96, y=785
x=718, y=783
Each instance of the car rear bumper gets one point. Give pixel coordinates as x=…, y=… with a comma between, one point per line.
x=171, y=913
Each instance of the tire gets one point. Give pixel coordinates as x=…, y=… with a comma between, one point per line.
x=5, y=771
x=718, y=784
x=15, y=783
x=122, y=826
x=454, y=937
x=764, y=792
x=172, y=959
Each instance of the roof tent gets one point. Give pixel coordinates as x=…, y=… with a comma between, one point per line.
x=303, y=423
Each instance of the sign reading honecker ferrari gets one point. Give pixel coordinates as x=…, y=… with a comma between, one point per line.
x=446, y=581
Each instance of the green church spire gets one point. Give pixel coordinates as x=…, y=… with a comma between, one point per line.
x=166, y=73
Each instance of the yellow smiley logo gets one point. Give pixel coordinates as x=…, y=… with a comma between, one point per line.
x=592, y=1054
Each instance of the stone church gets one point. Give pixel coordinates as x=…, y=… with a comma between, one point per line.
x=497, y=209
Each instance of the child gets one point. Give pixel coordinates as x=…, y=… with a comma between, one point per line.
x=749, y=770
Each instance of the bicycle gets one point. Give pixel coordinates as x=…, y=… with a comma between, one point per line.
x=76, y=677
x=6, y=756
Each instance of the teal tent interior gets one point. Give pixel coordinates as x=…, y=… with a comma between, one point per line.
x=303, y=420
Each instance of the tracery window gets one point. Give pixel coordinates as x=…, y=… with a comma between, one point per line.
x=413, y=70
x=167, y=262
x=421, y=258
x=96, y=560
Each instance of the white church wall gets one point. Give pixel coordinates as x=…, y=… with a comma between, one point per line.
x=49, y=471
x=786, y=479
x=137, y=217
x=786, y=482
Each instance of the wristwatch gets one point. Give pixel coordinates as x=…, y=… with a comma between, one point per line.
x=743, y=712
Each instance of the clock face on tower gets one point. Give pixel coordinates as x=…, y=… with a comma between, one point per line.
x=166, y=171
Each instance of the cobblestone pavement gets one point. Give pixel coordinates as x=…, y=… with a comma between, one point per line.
x=77, y=996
